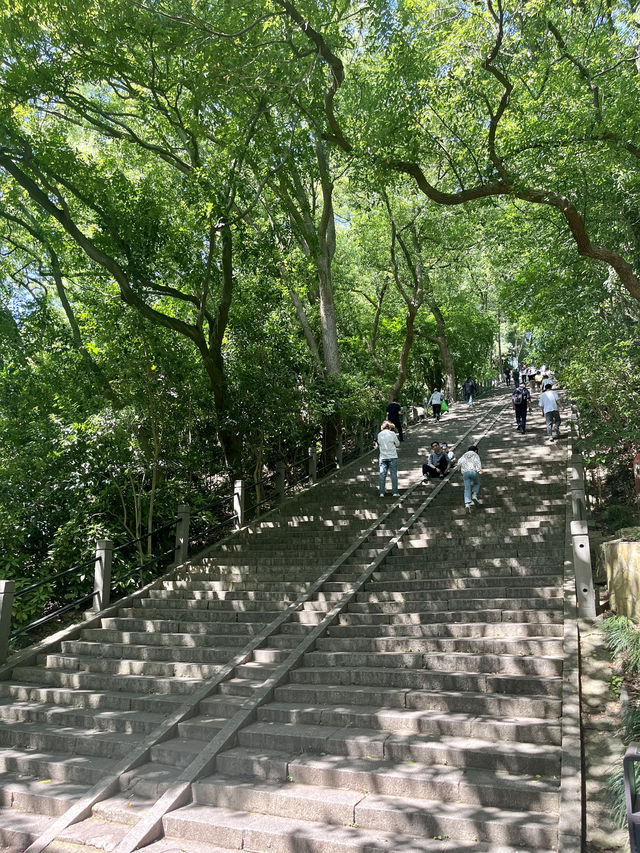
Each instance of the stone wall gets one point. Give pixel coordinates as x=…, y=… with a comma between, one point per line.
x=621, y=560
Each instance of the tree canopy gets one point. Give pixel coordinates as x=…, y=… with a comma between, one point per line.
x=225, y=226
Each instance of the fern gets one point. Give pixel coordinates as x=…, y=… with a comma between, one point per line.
x=623, y=639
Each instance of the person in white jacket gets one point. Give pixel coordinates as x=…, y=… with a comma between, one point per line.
x=471, y=467
x=388, y=443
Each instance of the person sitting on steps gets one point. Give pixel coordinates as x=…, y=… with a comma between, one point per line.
x=437, y=463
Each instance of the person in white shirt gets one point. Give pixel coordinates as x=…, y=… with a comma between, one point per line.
x=388, y=443
x=549, y=405
x=471, y=467
x=435, y=401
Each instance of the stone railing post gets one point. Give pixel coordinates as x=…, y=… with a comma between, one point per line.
x=102, y=574
x=360, y=440
x=238, y=501
x=182, y=534
x=7, y=590
x=582, y=564
x=576, y=484
x=313, y=464
x=280, y=483
x=339, y=439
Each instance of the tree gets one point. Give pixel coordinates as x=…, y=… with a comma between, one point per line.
x=451, y=95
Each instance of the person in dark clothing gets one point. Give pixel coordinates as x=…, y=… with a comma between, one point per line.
x=521, y=403
x=507, y=375
x=437, y=463
x=393, y=414
x=516, y=377
x=469, y=389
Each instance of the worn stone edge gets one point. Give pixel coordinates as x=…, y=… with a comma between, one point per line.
x=572, y=806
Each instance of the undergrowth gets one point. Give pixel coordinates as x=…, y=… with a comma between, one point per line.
x=623, y=639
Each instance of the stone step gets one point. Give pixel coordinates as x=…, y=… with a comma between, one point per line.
x=432, y=723
x=398, y=814
x=497, y=615
x=59, y=767
x=98, y=681
x=452, y=630
x=244, y=606
x=44, y=737
x=430, y=561
x=203, y=727
x=455, y=662
x=127, y=722
x=124, y=666
x=219, y=633
x=271, y=655
x=405, y=569
x=177, y=752
x=222, y=705
x=240, y=687
x=95, y=699
x=539, y=646
x=486, y=585
x=246, y=590
x=200, y=625
x=460, y=751
x=177, y=653
x=89, y=836
x=149, y=781
x=452, y=784
x=235, y=829
x=18, y=830
x=30, y=795
x=255, y=670
x=373, y=594
x=441, y=605
x=375, y=677
x=191, y=608
x=247, y=577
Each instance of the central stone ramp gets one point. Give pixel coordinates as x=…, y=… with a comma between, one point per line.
x=429, y=717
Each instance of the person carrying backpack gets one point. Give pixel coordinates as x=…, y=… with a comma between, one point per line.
x=521, y=402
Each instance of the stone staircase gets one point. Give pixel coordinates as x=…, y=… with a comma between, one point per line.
x=426, y=715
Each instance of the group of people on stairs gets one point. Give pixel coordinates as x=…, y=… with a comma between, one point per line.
x=441, y=460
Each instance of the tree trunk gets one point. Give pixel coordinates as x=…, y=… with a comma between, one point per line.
x=401, y=375
x=445, y=353
x=324, y=258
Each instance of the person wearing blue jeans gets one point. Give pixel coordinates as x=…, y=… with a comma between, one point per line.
x=521, y=403
x=469, y=389
x=471, y=468
x=388, y=444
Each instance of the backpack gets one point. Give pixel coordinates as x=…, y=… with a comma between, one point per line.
x=519, y=396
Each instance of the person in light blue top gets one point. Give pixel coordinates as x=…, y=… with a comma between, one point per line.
x=388, y=444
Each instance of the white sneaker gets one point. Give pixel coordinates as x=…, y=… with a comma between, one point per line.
x=475, y=499
x=468, y=508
